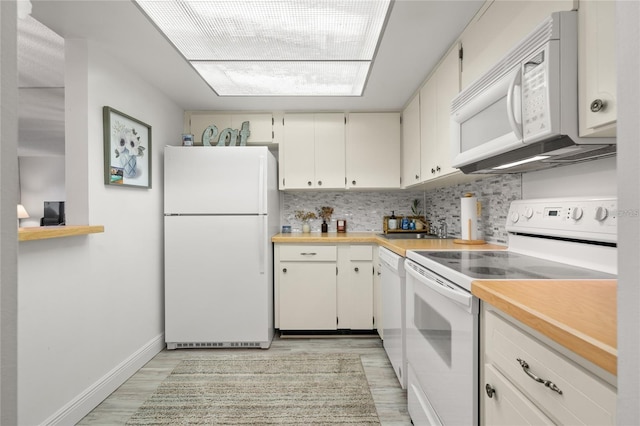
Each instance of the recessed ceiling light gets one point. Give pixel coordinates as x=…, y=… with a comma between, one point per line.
x=275, y=47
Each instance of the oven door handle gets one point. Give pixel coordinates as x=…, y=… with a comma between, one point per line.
x=459, y=296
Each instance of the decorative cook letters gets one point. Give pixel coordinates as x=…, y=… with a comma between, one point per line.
x=228, y=137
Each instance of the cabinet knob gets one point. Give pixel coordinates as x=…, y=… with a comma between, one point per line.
x=353, y=182
x=309, y=183
x=490, y=390
x=598, y=105
x=437, y=168
x=417, y=177
x=319, y=183
x=433, y=170
x=284, y=270
x=356, y=269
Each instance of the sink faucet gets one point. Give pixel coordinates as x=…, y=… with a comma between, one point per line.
x=442, y=229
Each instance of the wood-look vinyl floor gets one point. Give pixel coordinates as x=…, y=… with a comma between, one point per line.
x=390, y=399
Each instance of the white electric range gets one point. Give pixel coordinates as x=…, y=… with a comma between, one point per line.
x=571, y=238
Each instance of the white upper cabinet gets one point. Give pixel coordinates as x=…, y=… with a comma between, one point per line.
x=373, y=150
x=260, y=125
x=499, y=26
x=411, y=143
x=312, y=154
x=435, y=112
x=597, y=68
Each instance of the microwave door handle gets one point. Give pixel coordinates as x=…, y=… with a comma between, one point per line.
x=513, y=102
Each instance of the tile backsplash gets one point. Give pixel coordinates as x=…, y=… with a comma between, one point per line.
x=495, y=194
x=364, y=210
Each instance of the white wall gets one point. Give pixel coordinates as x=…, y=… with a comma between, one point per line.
x=91, y=307
x=628, y=57
x=8, y=224
x=591, y=178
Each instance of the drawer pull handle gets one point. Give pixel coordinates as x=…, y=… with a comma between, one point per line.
x=308, y=254
x=547, y=383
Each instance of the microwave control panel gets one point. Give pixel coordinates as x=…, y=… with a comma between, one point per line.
x=535, y=97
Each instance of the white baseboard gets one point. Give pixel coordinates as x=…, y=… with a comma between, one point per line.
x=80, y=406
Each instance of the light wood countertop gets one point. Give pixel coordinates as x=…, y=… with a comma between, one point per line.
x=46, y=232
x=399, y=247
x=580, y=315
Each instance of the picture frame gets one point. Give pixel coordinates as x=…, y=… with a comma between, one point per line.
x=127, y=150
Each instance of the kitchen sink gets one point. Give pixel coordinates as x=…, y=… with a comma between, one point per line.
x=408, y=236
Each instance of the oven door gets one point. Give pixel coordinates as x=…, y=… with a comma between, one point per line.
x=442, y=348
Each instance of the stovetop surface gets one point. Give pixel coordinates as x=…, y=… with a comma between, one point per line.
x=503, y=265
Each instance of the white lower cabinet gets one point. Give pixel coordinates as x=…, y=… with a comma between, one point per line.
x=355, y=287
x=324, y=287
x=306, y=282
x=525, y=381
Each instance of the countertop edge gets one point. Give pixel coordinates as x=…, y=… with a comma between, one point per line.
x=597, y=352
x=47, y=232
x=399, y=247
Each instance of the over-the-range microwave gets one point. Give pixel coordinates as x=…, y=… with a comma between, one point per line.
x=522, y=115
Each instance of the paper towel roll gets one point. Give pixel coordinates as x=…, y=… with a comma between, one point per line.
x=469, y=217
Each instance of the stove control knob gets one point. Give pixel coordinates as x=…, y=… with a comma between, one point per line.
x=576, y=213
x=528, y=212
x=601, y=213
x=514, y=217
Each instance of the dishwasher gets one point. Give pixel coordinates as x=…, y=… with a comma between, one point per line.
x=392, y=283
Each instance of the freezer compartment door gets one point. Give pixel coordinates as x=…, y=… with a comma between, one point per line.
x=217, y=180
x=218, y=279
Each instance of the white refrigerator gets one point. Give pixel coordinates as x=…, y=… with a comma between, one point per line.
x=221, y=208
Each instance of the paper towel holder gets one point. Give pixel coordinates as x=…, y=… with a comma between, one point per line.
x=469, y=224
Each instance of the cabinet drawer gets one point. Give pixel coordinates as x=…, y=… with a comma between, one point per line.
x=361, y=253
x=585, y=399
x=308, y=253
x=507, y=405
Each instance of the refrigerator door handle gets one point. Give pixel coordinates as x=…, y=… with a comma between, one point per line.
x=261, y=214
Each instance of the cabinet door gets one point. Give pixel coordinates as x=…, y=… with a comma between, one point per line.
x=498, y=26
x=411, y=143
x=260, y=126
x=297, y=153
x=435, y=113
x=428, y=133
x=373, y=150
x=377, y=298
x=199, y=121
x=597, y=67
x=307, y=295
x=361, y=289
x=329, y=131
x=448, y=87
x=507, y=406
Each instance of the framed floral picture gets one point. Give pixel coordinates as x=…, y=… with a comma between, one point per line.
x=127, y=150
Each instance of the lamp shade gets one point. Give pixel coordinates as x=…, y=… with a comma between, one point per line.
x=22, y=212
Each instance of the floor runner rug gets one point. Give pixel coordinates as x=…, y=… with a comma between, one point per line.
x=297, y=389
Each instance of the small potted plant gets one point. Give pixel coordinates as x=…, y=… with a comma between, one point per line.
x=416, y=211
x=305, y=217
x=325, y=214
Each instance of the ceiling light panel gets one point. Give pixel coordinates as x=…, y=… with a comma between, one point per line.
x=271, y=29
x=282, y=78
